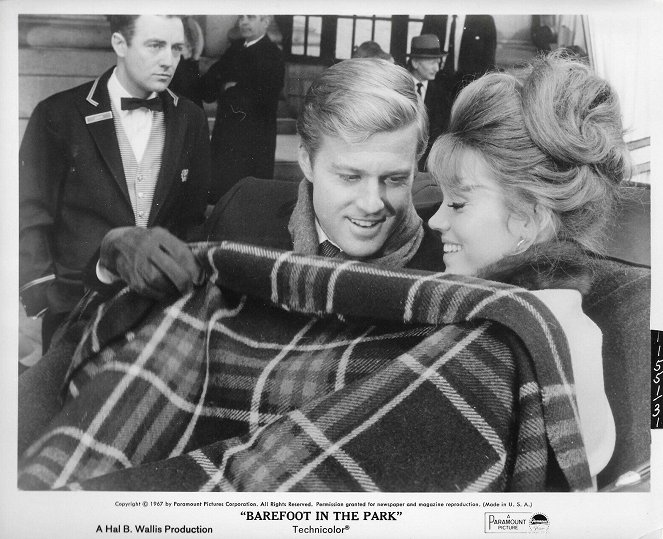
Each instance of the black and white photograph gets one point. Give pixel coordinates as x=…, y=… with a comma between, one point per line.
x=328, y=272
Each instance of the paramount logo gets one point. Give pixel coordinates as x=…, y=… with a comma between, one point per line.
x=507, y=522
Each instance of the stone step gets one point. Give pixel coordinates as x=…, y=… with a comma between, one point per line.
x=286, y=166
x=284, y=126
x=287, y=170
x=286, y=148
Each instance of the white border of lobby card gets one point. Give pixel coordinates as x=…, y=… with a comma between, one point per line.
x=443, y=515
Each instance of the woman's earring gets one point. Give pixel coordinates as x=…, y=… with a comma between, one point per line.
x=519, y=247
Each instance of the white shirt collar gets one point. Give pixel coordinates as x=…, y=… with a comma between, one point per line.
x=249, y=43
x=417, y=81
x=322, y=237
x=116, y=91
x=424, y=86
x=137, y=123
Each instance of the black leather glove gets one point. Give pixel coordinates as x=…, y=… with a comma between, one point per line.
x=151, y=261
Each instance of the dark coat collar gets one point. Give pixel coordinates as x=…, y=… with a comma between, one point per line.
x=264, y=40
x=98, y=94
x=553, y=264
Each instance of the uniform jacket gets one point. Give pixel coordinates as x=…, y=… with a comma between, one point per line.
x=258, y=211
x=72, y=188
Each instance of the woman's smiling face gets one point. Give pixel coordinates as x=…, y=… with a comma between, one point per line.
x=474, y=221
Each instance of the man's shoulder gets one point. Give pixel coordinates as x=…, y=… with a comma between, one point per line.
x=434, y=85
x=65, y=109
x=68, y=97
x=268, y=42
x=67, y=101
x=255, y=211
x=186, y=107
x=435, y=88
x=234, y=49
x=266, y=45
x=259, y=199
x=479, y=21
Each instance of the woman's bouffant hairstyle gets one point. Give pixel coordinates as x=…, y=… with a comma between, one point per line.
x=554, y=142
x=358, y=98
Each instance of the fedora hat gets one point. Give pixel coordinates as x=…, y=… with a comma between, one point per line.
x=425, y=46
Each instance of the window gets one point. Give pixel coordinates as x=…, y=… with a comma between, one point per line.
x=353, y=31
x=306, y=35
x=325, y=39
x=414, y=26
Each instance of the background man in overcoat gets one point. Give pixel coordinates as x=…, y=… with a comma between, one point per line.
x=245, y=83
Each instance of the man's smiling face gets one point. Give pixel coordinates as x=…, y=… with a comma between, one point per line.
x=362, y=190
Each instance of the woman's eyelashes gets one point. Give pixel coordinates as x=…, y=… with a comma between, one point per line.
x=457, y=205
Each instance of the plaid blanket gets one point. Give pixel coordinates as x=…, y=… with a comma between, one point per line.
x=287, y=372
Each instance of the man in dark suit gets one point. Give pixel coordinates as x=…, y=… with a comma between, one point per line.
x=469, y=41
x=424, y=64
x=246, y=83
x=362, y=130
x=119, y=151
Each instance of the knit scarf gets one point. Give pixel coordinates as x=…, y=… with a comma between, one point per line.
x=401, y=245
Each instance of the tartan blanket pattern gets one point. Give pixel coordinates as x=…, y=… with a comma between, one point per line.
x=303, y=373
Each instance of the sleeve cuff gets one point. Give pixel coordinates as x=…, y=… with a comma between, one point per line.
x=104, y=275
x=33, y=295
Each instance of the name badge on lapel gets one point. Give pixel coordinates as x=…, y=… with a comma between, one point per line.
x=185, y=174
x=98, y=117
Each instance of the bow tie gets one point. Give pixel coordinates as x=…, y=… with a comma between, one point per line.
x=133, y=103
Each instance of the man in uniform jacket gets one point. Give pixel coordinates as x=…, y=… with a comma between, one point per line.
x=101, y=156
x=246, y=83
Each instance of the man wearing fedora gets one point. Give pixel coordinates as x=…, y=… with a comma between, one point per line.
x=424, y=64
